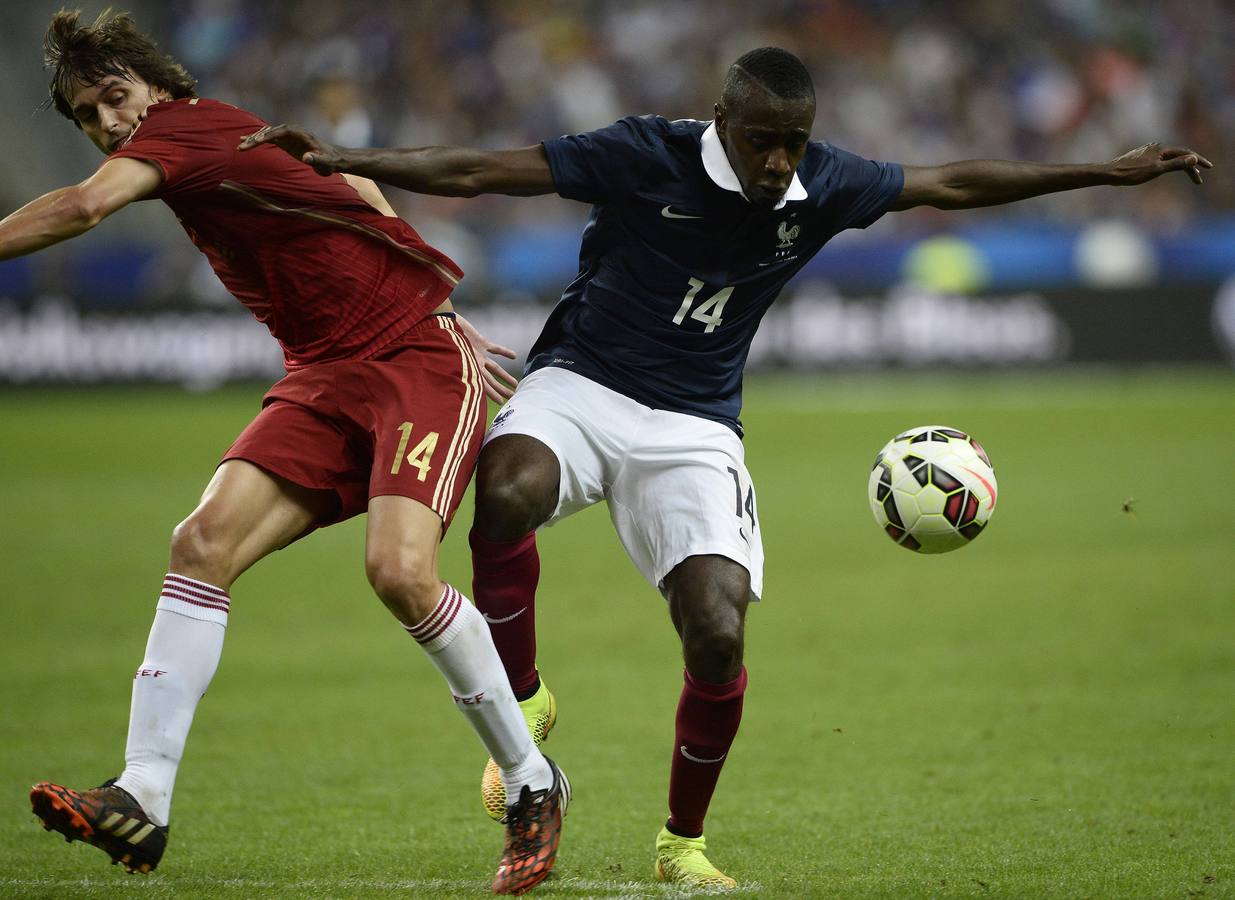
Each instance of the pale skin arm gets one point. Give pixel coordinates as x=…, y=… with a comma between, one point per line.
x=989, y=182
x=69, y=211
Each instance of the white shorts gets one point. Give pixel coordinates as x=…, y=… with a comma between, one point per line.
x=676, y=484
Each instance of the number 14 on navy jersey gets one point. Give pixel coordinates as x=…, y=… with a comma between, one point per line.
x=677, y=268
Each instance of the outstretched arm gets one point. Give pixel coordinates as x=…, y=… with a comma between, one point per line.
x=70, y=211
x=445, y=171
x=989, y=182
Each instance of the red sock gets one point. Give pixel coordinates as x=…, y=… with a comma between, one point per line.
x=707, y=722
x=504, y=579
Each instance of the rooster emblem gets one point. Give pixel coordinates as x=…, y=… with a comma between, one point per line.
x=787, y=235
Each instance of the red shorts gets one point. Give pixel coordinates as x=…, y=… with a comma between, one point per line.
x=408, y=423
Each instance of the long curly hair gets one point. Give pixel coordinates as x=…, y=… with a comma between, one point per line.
x=87, y=54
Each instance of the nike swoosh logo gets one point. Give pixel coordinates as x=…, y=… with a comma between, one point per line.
x=668, y=213
x=697, y=759
x=989, y=488
x=512, y=616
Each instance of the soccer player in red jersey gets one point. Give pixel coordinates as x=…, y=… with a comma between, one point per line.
x=382, y=411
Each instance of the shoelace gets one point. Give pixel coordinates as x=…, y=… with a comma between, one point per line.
x=527, y=812
x=128, y=798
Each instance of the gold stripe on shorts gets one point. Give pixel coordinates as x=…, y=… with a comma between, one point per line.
x=469, y=414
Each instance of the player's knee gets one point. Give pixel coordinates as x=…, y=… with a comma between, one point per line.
x=708, y=597
x=406, y=581
x=201, y=549
x=713, y=651
x=512, y=500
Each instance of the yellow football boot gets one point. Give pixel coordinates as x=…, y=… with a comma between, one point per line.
x=680, y=860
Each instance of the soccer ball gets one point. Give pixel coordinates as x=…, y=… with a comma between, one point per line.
x=932, y=489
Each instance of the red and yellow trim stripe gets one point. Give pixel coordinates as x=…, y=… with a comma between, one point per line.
x=419, y=256
x=470, y=411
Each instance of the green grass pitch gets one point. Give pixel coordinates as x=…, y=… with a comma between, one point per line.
x=1047, y=713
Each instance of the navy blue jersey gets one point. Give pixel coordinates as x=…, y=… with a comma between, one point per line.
x=677, y=268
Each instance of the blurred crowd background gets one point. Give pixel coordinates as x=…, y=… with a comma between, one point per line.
x=913, y=81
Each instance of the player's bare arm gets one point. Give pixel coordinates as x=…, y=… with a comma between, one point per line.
x=444, y=171
x=989, y=182
x=69, y=211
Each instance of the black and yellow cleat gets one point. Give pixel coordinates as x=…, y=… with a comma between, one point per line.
x=107, y=817
x=533, y=832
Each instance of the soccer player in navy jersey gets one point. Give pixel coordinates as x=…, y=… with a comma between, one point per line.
x=634, y=385
x=382, y=411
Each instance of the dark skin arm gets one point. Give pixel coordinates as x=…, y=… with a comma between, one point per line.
x=463, y=172
x=444, y=171
x=989, y=182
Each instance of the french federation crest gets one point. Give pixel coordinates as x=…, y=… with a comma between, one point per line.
x=787, y=235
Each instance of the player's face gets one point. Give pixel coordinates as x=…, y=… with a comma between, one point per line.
x=110, y=110
x=764, y=139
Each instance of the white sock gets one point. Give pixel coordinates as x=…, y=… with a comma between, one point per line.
x=182, y=653
x=458, y=642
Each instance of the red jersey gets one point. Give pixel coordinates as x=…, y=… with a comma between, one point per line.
x=330, y=276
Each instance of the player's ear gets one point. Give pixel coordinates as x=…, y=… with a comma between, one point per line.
x=719, y=112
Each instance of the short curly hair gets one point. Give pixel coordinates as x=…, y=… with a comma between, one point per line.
x=777, y=71
x=87, y=54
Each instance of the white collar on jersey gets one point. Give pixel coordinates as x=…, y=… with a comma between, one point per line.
x=716, y=164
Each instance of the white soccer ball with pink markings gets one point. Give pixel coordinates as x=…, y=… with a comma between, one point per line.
x=932, y=489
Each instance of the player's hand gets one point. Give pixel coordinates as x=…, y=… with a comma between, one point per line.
x=1148, y=162
x=499, y=384
x=300, y=144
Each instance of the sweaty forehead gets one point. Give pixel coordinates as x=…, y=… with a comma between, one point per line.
x=763, y=110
